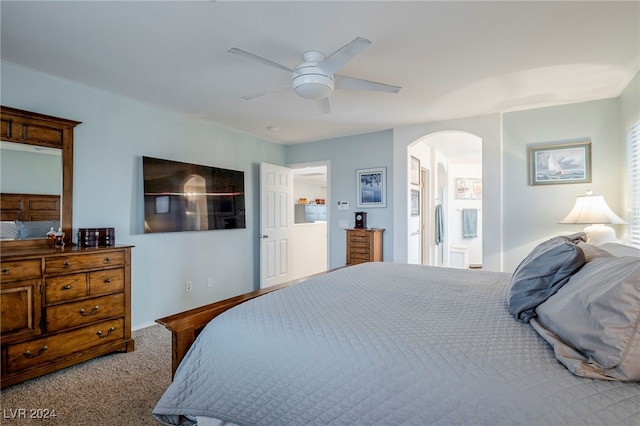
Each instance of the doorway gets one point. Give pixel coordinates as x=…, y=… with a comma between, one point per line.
x=451, y=200
x=310, y=235
x=425, y=225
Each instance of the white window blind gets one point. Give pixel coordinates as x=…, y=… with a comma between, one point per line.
x=633, y=140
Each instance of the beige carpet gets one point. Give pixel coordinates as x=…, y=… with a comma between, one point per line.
x=117, y=389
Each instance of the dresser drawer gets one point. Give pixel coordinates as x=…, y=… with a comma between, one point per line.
x=83, y=312
x=66, y=264
x=20, y=270
x=359, y=258
x=39, y=351
x=107, y=281
x=360, y=249
x=65, y=287
x=360, y=238
x=361, y=245
x=361, y=255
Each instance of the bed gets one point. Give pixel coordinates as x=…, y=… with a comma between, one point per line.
x=384, y=343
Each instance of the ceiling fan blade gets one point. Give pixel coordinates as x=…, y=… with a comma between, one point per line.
x=331, y=64
x=323, y=105
x=266, y=92
x=350, y=83
x=255, y=57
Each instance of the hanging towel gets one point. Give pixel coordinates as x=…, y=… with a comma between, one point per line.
x=470, y=223
x=439, y=225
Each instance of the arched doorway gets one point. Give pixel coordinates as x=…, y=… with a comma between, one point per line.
x=446, y=230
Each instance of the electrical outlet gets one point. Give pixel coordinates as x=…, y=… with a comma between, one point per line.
x=210, y=282
x=188, y=286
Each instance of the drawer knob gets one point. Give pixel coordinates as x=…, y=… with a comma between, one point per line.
x=67, y=287
x=107, y=280
x=107, y=259
x=28, y=354
x=102, y=336
x=5, y=271
x=86, y=314
x=67, y=265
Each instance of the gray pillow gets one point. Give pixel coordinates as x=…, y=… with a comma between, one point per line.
x=547, y=268
x=593, y=320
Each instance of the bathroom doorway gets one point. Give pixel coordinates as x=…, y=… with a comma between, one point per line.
x=450, y=217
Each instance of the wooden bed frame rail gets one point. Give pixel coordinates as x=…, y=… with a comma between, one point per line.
x=185, y=326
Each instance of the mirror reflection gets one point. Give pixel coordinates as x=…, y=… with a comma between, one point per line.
x=31, y=184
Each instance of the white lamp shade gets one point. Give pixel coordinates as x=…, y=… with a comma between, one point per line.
x=592, y=209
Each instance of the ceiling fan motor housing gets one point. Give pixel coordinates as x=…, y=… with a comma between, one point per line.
x=309, y=81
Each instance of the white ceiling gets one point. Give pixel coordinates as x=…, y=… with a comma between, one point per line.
x=453, y=59
x=312, y=175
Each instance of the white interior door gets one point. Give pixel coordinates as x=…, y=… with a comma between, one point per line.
x=276, y=222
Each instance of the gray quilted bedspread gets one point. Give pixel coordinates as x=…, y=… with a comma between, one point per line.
x=386, y=344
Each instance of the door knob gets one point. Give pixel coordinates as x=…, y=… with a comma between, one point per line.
x=263, y=236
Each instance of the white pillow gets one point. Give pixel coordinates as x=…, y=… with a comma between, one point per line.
x=8, y=230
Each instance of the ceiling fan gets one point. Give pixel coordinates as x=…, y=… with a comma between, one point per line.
x=316, y=77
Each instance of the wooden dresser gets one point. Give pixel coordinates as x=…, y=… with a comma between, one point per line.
x=364, y=245
x=60, y=307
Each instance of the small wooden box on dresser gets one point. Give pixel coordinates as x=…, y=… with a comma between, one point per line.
x=364, y=245
x=59, y=307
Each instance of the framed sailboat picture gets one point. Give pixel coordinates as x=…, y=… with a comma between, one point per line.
x=561, y=163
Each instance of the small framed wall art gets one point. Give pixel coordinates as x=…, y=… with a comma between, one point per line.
x=415, y=171
x=560, y=163
x=415, y=202
x=468, y=189
x=371, y=187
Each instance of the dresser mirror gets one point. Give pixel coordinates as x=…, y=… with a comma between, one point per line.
x=30, y=169
x=43, y=146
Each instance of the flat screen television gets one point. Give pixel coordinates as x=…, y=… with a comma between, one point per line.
x=191, y=197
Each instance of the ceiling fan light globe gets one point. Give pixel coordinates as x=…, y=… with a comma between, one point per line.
x=312, y=86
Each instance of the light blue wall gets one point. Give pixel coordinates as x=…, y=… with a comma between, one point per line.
x=345, y=156
x=519, y=216
x=31, y=172
x=115, y=133
x=532, y=213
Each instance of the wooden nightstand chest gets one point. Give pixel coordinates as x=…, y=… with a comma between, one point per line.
x=364, y=245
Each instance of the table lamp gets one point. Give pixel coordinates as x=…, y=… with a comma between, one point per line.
x=592, y=210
